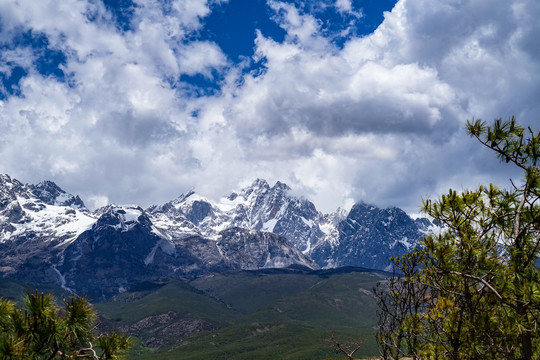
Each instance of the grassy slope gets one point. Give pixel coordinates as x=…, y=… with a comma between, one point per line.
x=255, y=314
x=267, y=341
x=174, y=295
x=285, y=316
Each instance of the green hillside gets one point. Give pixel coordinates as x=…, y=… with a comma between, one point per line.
x=266, y=314
x=14, y=290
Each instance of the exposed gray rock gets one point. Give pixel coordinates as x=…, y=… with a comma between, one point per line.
x=368, y=237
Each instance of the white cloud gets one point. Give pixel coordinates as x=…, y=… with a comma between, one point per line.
x=303, y=29
x=200, y=58
x=381, y=119
x=346, y=7
x=96, y=201
x=404, y=91
x=328, y=95
x=119, y=128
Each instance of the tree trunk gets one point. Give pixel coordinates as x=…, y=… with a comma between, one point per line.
x=526, y=345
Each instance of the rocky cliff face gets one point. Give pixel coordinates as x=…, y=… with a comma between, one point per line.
x=252, y=249
x=368, y=237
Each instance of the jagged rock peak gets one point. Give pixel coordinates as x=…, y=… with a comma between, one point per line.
x=10, y=188
x=262, y=186
x=180, y=202
x=182, y=198
x=259, y=186
x=7, y=181
x=121, y=217
x=280, y=186
x=51, y=194
x=260, y=183
x=46, y=192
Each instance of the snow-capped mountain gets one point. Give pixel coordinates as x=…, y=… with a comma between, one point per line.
x=125, y=247
x=49, y=236
x=256, y=207
x=366, y=236
x=37, y=222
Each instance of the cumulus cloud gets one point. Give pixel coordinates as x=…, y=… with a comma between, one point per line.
x=405, y=91
x=346, y=7
x=106, y=131
x=378, y=118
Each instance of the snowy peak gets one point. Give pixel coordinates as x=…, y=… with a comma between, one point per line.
x=123, y=218
x=37, y=222
x=273, y=209
x=11, y=189
x=189, y=214
x=47, y=235
x=46, y=192
x=42, y=211
x=262, y=203
x=256, y=207
x=259, y=186
x=193, y=207
x=52, y=194
x=187, y=198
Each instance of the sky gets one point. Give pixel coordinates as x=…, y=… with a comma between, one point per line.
x=139, y=101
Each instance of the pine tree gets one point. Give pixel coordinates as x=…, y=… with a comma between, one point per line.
x=42, y=330
x=483, y=282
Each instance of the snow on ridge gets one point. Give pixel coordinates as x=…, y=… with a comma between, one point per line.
x=133, y=212
x=52, y=220
x=187, y=199
x=225, y=204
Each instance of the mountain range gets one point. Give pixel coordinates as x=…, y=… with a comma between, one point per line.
x=49, y=236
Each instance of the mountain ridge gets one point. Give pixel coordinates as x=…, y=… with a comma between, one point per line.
x=48, y=235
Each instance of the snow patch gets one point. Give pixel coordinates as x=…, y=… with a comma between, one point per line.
x=52, y=221
x=226, y=205
x=62, y=280
x=327, y=228
x=132, y=214
x=269, y=225
x=309, y=223
x=165, y=245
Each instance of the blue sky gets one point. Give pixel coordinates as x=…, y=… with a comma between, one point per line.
x=138, y=101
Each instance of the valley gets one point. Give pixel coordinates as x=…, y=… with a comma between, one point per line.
x=259, y=314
